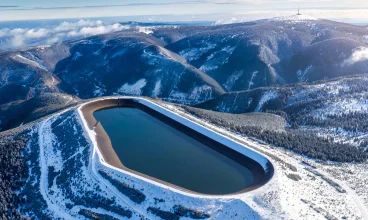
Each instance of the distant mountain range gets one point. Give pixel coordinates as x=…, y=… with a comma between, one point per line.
x=187, y=64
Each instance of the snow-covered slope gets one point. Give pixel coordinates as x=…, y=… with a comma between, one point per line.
x=68, y=179
x=336, y=108
x=295, y=18
x=273, y=51
x=132, y=64
x=191, y=64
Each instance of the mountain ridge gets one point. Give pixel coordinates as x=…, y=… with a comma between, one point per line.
x=187, y=64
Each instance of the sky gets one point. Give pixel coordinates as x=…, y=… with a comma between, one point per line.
x=352, y=11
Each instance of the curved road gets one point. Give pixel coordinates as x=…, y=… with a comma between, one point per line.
x=43, y=140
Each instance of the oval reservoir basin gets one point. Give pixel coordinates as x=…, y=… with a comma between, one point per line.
x=154, y=146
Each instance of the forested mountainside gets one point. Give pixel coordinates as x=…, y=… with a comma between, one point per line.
x=14, y=172
x=334, y=110
x=16, y=113
x=194, y=64
x=133, y=64
x=187, y=64
x=54, y=172
x=118, y=63
x=260, y=80
x=273, y=51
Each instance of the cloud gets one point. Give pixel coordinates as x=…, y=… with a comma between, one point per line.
x=36, y=33
x=22, y=37
x=228, y=21
x=359, y=55
x=87, y=31
x=17, y=41
x=67, y=26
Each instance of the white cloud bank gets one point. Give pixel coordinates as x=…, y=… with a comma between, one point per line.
x=21, y=37
x=359, y=55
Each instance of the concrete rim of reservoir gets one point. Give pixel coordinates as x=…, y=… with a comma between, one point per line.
x=264, y=170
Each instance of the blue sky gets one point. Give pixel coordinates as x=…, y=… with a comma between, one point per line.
x=174, y=10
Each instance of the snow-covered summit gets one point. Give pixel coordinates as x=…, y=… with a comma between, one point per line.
x=294, y=18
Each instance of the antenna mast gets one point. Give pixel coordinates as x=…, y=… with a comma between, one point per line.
x=299, y=11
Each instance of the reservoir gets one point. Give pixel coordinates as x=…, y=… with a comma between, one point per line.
x=152, y=145
x=149, y=146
